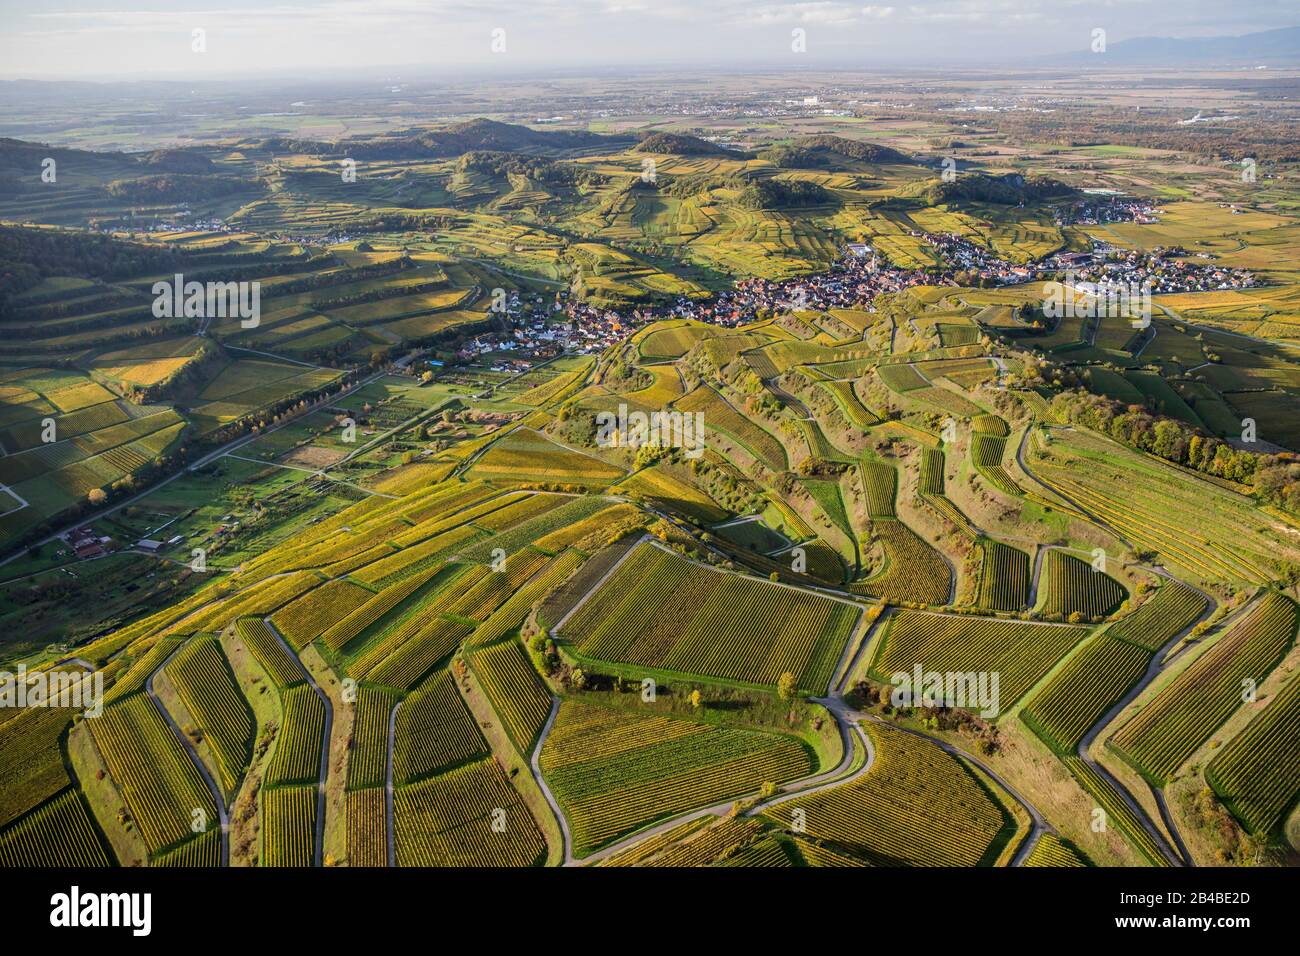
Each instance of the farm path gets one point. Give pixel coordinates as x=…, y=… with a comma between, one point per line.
x=325, y=740
x=535, y=766
x=1146, y=341
x=211, y=781
x=1040, y=825
x=389, y=814
x=1179, y=853
x=207, y=459
x=1024, y=466
x=281, y=358
x=799, y=788
x=855, y=650
x=1036, y=576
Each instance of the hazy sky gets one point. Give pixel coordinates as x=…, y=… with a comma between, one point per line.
x=119, y=37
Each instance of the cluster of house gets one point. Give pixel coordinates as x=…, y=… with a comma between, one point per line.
x=85, y=542
x=191, y=225
x=1102, y=206
x=1163, y=271
x=536, y=329
x=570, y=325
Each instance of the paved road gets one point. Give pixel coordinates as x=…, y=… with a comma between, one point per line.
x=389, y=813
x=213, y=787
x=325, y=741
x=534, y=763
x=1178, y=855
x=1153, y=669
x=230, y=446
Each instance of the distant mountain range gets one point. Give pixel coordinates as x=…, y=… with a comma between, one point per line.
x=1265, y=48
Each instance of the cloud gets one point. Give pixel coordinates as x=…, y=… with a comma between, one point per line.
x=106, y=36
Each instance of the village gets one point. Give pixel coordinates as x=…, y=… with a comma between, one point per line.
x=540, y=330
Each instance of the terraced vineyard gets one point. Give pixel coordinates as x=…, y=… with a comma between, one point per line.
x=203, y=681
x=367, y=837
x=369, y=747
x=1174, y=608
x=470, y=816
x=409, y=652
x=341, y=633
x=1117, y=811
x=278, y=663
x=880, y=481
x=298, y=744
x=1053, y=851
x=917, y=806
x=288, y=826
x=59, y=833
x=719, y=415
x=434, y=730
x=1258, y=774
x=913, y=571
x=1083, y=690
x=1018, y=651
x=1004, y=576
x=1138, y=501
x=710, y=623
x=155, y=775
x=525, y=455
x=1070, y=586
x=514, y=688
x=1160, y=737
x=614, y=771
x=308, y=617
x=849, y=403
x=987, y=452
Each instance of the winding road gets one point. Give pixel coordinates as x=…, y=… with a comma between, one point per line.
x=211, y=781
x=389, y=814
x=325, y=740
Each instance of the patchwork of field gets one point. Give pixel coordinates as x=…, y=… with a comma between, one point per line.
x=709, y=623
x=615, y=771
x=1158, y=739
x=400, y=628
x=65, y=435
x=917, y=806
x=1020, y=652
